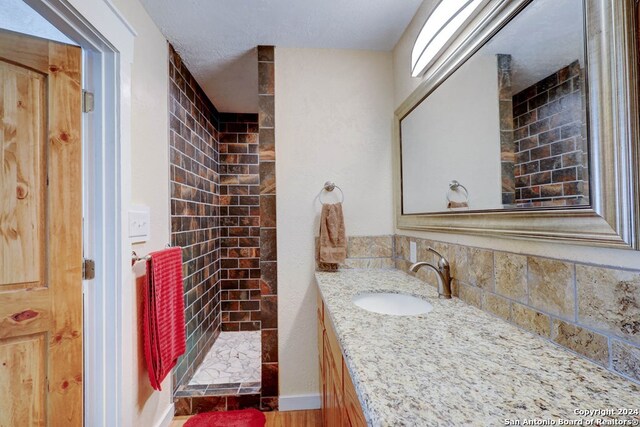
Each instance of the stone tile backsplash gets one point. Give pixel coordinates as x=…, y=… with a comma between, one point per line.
x=365, y=252
x=591, y=310
x=612, y=309
x=511, y=275
x=551, y=286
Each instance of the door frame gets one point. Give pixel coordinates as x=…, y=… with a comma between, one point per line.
x=107, y=40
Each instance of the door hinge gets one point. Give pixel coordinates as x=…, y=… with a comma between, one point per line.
x=88, y=103
x=88, y=269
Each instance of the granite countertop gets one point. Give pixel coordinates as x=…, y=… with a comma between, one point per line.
x=458, y=365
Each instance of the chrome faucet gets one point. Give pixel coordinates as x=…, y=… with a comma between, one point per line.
x=442, y=272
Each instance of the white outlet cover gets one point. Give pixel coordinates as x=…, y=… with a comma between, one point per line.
x=139, y=224
x=413, y=252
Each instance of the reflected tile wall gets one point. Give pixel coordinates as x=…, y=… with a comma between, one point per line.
x=550, y=140
x=507, y=149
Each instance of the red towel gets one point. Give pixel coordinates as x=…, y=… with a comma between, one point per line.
x=163, y=322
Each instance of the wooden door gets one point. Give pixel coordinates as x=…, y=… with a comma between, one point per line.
x=40, y=233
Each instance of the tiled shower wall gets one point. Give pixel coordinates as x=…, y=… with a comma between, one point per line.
x=550, y=141
x=195, y=211
x=240, y=222
x=268, y=245
x=215, y=215
x=240, y=285
x=592, y=310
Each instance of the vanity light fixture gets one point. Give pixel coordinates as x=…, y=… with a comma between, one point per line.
x=443, y=23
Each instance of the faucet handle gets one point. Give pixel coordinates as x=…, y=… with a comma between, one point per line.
x=442, y=262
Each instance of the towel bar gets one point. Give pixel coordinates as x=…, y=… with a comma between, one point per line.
x=135, y=258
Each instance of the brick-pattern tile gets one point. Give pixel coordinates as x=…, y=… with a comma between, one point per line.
x=268, y=245
x=609, y=300
x=199, y=404
x=590, y=310
x=551, y=286
x=626, y=359
x=195, y=211
x=511, y=275
x=222, y=172
x=215, y=217
x=531, y=319
x=581, y=340
x=239, y=222
x=550, y=143
x=367, y=252
x=369, y=246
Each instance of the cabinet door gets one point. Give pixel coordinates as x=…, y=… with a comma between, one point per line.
x=320, y=342
x=326, y=385
x=332, y=402
x=335, y=399
x=340, y=403
x=351, y=401
x=323, y=381
x=321, y=338
x=347, y=420
x=332, y=349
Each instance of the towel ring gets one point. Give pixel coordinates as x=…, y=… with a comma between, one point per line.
x=329, y=186
x=455, y=186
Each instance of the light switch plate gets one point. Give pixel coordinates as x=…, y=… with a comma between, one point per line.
x=413, y=252
x=139, y=224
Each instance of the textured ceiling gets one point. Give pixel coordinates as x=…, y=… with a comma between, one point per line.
x=216, y=38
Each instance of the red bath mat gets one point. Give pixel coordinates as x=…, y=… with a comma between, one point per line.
x=241, y=418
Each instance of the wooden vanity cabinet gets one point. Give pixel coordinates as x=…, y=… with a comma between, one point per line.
x=340, y=404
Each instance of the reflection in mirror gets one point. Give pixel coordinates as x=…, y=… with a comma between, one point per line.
x=509, y=125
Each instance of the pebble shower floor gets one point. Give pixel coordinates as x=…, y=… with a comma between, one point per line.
x=233, y=358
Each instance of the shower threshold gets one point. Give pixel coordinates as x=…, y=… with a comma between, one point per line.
x=231, y=367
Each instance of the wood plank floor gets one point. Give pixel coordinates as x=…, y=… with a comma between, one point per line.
x=310, y=418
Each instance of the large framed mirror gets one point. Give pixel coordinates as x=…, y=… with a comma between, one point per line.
x=526, y=125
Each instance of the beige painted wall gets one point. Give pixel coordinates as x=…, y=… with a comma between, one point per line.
x=333, y=122
x=141, y=405
x=404, y=84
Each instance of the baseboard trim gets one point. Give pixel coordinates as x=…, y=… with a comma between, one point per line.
x=299, y=402
x=167, y=417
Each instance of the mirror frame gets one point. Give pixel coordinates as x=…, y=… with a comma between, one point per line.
x=612, y=219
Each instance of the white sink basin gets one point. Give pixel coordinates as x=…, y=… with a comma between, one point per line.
x=390, y=303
